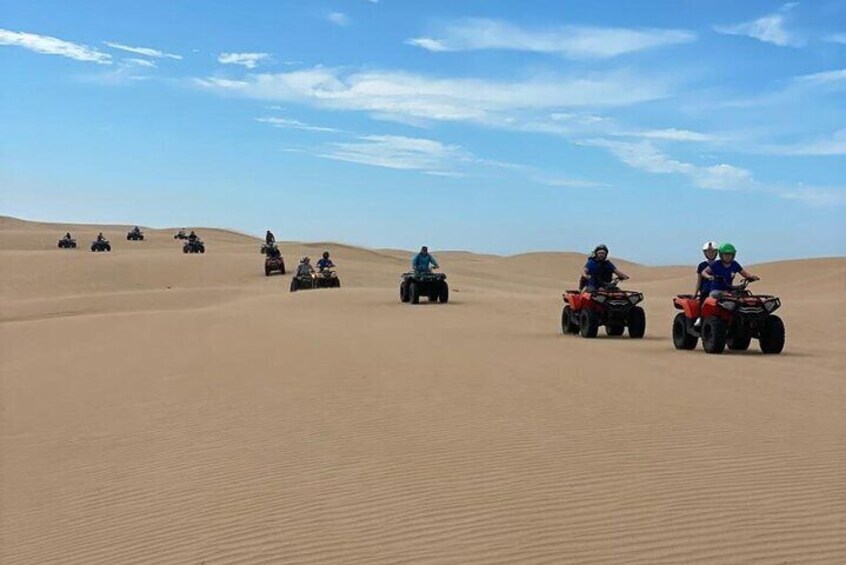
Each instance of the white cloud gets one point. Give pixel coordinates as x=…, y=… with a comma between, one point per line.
x=140, y=63
x=816, y=196
x=146, y=51
x=53, y=46
x=249, y=60
x=672, y=134
x=837, y=38
x=338, y=18
x=294, y=124
x=646, y=157
x=398, y=152
x=826, y=77
x=391, y=93
x=576, y=42
x=835, y=145
x=769, y=29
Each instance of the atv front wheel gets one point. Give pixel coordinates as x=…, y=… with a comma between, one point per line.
x=771, y=339
x=713, y=335
x=588, y=323
x=414, y=292
x=294, y=284
x=637, y=322
x=443, y=296
x=682, y=339
x=567, y=326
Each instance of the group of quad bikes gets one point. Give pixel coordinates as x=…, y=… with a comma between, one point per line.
x=100, y=244
x=731, y=320
x=189, y=245
x=302, y=280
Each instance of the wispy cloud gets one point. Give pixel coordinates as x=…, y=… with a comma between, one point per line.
x=826, y=77
x=408, y=95
x=140, y=63
x=645, y=156
x=288, y=123
x=53, y=46
x=834, y=145
x=816, y=196
x=338, y=18
x=248, y=60
x=837, y=38
x=146, y=51
x=575, y=42
x=769, y=28
x=398, y=152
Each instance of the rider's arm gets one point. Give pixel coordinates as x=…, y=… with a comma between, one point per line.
x=620, y=273
x=434, y=263
x=707, y=274
x=747, y=275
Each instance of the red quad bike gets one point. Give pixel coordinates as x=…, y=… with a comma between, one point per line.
x=731, y=320
x=611, y=307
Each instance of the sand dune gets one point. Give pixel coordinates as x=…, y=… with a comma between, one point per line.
x=168, y=408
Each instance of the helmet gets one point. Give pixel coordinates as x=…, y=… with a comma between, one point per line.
x=728, y=248
x=325, y=254
x=305, y=260
x=600, y=247
x=710, y=246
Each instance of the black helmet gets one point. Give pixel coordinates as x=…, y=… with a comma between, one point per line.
x=600, y=247
x=325, y=254
x=424, y=249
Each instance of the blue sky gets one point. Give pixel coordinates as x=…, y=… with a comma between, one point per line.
x=490, y=126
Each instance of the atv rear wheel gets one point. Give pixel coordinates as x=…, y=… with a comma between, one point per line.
x=713, y=335
x=771, y=339
x=443, y=296
x=637, y=322
x=615, y=329
x=267, y=271
x=682, y=339
x=414, y=292
x=588, y=323
x=739, y=341
x=567, y=326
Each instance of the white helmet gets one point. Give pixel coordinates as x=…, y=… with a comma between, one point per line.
x=710, y=246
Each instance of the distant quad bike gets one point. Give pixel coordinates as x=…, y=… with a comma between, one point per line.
x=102, y=245
x=731, y=320
x=431, y=285
x=616, y=309
x=325, y=278
x=196, y=246
x=134, y=236
x=274, y=264
x=181, y=235
x=67, y=243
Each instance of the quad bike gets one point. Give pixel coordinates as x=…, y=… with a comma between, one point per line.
x=424, y=283
x=195, y=246
x=616, y=309
x=67, y=243
x=732, y=320
x=135, y=236
x=181, y=235
x=101, y=245
x=273, y=264
x=324, y=278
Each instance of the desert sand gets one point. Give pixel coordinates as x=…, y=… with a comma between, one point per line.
x=167, y=408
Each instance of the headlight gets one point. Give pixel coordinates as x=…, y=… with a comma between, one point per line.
x=728, y=305
x=599, y=298
x=770, y=305
x=634, y=298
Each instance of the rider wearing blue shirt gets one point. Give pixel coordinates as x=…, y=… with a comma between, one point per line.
x=423, y=262
x=703, y=285
x=325, y=262
x=599, y=270
x=721, y=273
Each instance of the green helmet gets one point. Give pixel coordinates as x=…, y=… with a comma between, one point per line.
x=728, y=248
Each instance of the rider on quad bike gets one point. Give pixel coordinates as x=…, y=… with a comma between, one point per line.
x=730, y=315
x=599, y=270
x=720, y=274
x=305, y=268
x=423, y=262
x=325, y=263
x=703, y=285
